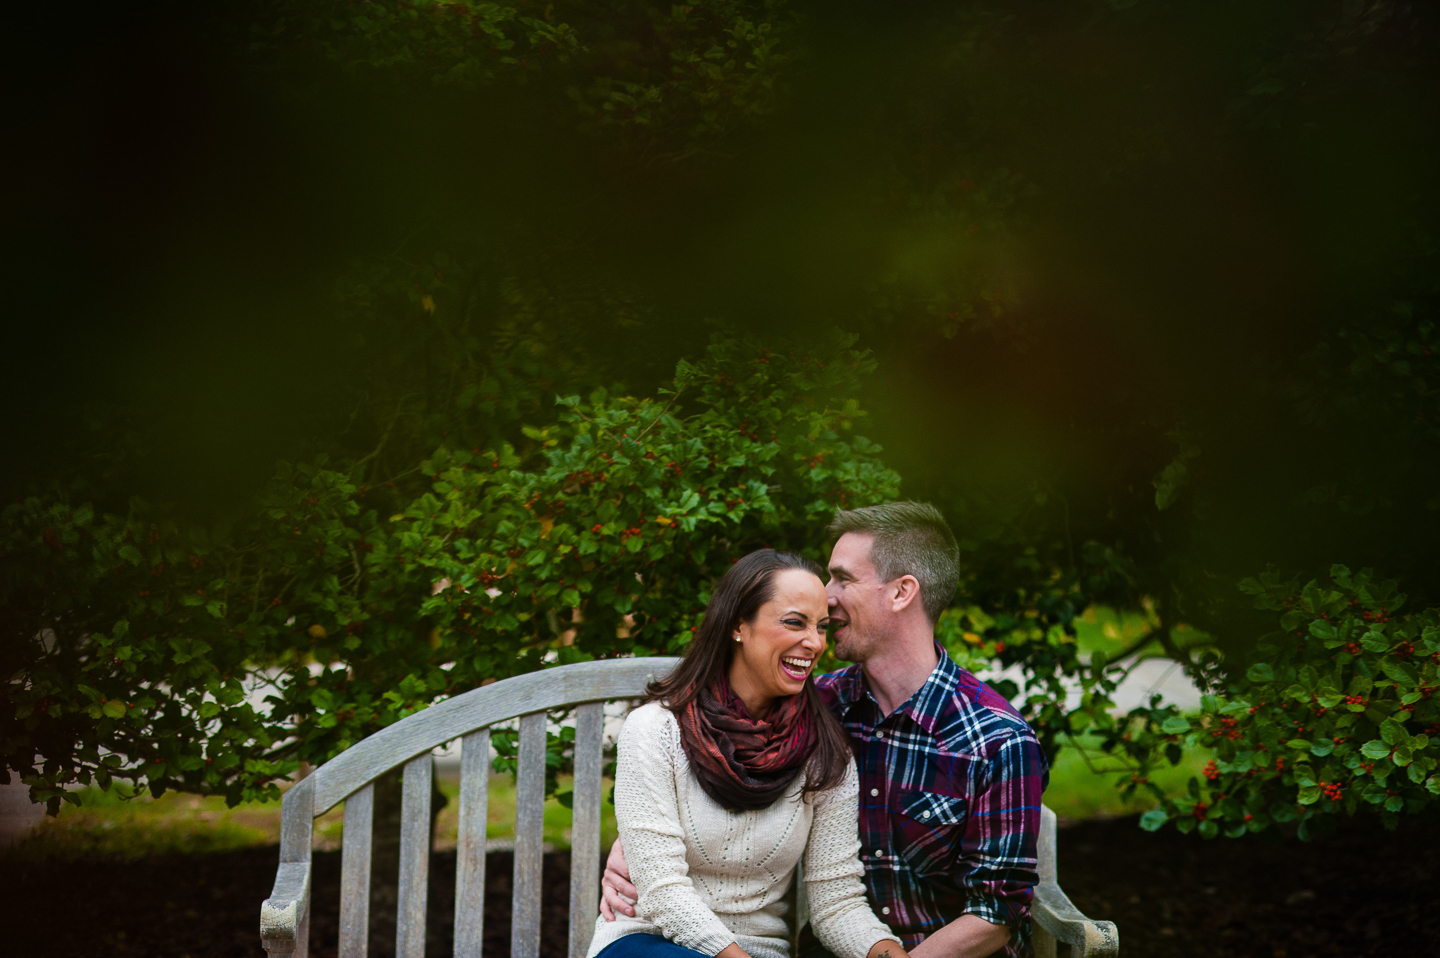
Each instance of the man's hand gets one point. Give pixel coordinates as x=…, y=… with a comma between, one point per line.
x=884, y=948
x=617, y=895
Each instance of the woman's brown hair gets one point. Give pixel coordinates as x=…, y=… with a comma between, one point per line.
x=741, y=591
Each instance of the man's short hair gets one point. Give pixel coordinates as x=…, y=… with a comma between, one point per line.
x=911, y=538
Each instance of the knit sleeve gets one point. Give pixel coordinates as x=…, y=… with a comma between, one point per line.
x=839, y=913
x=648, y=762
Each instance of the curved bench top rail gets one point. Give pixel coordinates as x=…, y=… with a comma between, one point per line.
x=549, y=688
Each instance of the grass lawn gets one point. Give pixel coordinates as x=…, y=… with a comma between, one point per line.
x=109, y=825
x=106, y=825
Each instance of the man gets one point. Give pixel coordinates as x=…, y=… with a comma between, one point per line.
x=950, y=774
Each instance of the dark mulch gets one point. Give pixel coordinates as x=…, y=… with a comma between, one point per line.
x=208, y=906
x=1361, y=892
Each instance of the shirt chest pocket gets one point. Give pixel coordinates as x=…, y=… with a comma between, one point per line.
x=931, y=826
x=934, y=810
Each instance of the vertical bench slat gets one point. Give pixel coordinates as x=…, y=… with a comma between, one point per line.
x=414, y=857
x=470, y=848
x=585, y=827
x=355, y=873
x=529, y=833
x=297, y=830
x=1042, y=941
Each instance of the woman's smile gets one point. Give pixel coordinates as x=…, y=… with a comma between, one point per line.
x=796, y=667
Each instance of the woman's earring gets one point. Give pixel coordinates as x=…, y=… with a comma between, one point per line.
x=737, y=636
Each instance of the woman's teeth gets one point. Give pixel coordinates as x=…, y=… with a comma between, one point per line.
x=794, y=665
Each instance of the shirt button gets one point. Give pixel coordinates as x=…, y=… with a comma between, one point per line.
x=879, y=734
x=879, y=853
x=885, y=910
x=874, y=791
x=924, y=815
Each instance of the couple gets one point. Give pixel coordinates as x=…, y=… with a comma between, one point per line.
x=908, y=789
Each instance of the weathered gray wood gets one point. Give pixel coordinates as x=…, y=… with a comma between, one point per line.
x=529, y=834
x=1052, y=912
x=285, y=915
x=284, y=912
x=585, y=826
x=1041, y=940
x=355, y=873
x=470, y=848
x=1046, y=845
x=536, y=691
x=414, y=857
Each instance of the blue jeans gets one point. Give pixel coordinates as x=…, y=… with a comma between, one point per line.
x=646, y=946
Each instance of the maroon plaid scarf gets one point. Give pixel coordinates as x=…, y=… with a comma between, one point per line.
x=740, y=762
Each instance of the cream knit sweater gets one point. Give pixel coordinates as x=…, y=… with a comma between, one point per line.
x=708, y=876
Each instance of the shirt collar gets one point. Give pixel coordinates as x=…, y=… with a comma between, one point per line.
x=923, y=707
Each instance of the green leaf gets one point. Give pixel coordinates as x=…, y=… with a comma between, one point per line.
x=1209, y=829
x=1260, y=673
x=1322, y=748
x=1394, y=803
x=1309, y=795
x=1153, y=820
x=114, y=709
x=1375, y=642
x=1282, y=812
x=1399, y=672
x=1175, y=725
x=1375, y=750
x=1393, y=733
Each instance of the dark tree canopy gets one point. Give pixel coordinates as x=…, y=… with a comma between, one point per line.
x=1141, y=294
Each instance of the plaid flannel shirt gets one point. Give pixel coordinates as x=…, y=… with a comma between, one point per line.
x=950, y=787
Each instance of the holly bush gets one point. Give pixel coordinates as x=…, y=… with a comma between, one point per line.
x=138, y=638
x=1337, y=717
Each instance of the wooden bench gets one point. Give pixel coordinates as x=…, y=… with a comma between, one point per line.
x=350, y=778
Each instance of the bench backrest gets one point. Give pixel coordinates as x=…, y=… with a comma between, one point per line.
x=350, y=778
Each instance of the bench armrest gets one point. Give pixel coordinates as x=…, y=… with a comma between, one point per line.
x=283, y=913
x=1052, y=911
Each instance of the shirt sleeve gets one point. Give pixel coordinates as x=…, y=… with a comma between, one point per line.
x=998, y=853
x=648, y=815
x=839, y=914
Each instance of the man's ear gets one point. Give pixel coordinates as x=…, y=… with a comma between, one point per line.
x=905, y=593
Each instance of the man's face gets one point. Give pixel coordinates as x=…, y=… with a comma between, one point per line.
x=859, y=609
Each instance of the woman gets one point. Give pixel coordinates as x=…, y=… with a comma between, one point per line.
x=732, y=771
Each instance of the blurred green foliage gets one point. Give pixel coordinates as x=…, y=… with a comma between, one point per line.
x=1147, y=294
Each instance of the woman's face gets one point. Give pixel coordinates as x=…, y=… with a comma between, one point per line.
x=778, y=648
